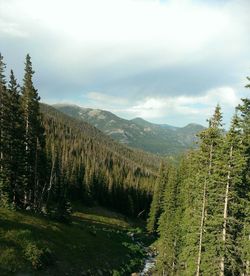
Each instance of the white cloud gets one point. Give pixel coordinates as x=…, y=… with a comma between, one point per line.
x=151, y=108
x=173, y=29
x=152, y=33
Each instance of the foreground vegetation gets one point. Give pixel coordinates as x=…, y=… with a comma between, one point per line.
x=97, y=242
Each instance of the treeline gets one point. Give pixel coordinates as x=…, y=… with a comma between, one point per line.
x=48, y=159
x=201, y=209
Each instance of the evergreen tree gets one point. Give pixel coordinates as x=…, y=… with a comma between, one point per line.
x=211, y=140
x=156, y=207
x=231, y=172
x=244, y=110
x=16, y=141
x=4, y=139
x=168, y=226
x=34, y=138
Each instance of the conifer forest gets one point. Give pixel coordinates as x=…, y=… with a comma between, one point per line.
x=196, y=206
x=124, y=138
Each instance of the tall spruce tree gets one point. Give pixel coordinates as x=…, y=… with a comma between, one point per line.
x=211, y=140
x=230, y=172
x=189, y=203
x=4, y=139
x=16, y=140
x=156, y=207
x=244, y=109
x=168, y=226
x=34, y=138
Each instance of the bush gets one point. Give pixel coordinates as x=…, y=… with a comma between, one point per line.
x=8, y=260
x=116, y=273
x=38, y=257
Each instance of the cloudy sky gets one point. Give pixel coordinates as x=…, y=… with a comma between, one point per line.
x=166, y=61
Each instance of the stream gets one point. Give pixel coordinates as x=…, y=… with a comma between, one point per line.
x=149, y=264
x=149, y=260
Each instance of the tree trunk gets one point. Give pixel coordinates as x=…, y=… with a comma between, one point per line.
x=222, y=262
x=36, y=178
x=27, y=157
x=51, y=179
x=204, y=210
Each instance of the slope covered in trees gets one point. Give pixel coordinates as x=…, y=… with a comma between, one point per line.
x=137, y=133
x=203, y=224
x=95, y=168
x=50, y=159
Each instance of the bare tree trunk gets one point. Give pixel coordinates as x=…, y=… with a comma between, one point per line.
x=26, y=153
x=222, y=262
x=204, y=210
x=51, y=179
x=36, y=180
x=201, y=227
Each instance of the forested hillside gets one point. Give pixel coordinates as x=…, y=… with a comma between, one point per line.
x=138, y=133
x=201, y=208
x=50, y=159
x=94, y=169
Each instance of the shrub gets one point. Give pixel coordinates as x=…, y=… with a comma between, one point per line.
x=8, y=260
x=38, y=257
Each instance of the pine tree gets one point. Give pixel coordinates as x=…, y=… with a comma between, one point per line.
x=4, y=139
x=34, y=138
x=156, y=207
x=211, y=140
x=231, y=171
x=244, y=110
x=189, y=202
x=16, y=140
x=168, y=226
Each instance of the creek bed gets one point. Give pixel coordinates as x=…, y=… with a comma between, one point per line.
x=149, y=264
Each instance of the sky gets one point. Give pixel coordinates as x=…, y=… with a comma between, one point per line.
x=165, y=61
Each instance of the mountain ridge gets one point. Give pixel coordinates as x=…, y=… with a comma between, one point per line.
x=138, y=133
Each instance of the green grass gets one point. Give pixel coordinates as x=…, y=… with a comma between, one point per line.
x=96, y=241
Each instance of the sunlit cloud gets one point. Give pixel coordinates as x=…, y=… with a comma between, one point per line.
x=199, y=106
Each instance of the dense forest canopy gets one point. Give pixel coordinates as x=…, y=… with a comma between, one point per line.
x=201, y=208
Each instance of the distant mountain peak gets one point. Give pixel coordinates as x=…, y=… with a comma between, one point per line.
x=194, y=125
x=138, y=119
x=137, y=132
